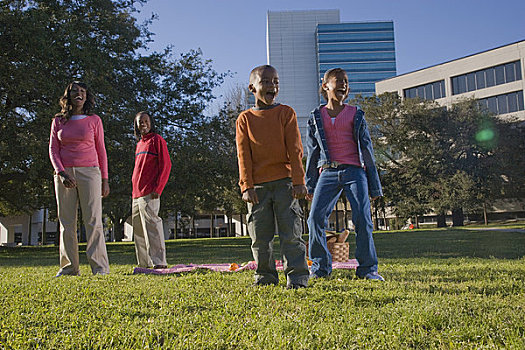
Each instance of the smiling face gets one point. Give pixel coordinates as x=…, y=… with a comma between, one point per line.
x=336, y=87
x=143, y=123
x=265, y=87
x=77, y=98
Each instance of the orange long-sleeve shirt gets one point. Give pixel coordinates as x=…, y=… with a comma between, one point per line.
x=268, y=146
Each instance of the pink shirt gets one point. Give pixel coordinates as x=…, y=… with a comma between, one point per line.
x=339, y=134
x=78, y=143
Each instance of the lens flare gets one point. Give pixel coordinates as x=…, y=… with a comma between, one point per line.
x=485, y=135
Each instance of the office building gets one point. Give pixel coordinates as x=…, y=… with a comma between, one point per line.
x=494, y=77
x=302, y=45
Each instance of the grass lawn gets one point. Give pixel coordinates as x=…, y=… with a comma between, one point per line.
x=445, y=289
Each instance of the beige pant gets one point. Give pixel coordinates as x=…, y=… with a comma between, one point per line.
x=89, y=193
x=148, y=232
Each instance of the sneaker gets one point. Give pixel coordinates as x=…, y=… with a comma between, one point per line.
x=373, y=276
x=295, y=286
x=160, y=267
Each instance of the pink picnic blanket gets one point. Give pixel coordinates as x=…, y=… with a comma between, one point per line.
x=347, y=265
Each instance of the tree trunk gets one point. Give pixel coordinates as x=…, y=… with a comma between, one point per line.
x=211, y=226
x=441, y=220
x=457, y=217
x=241, y=219
x=485, y=217
x=118, y=229
x=229, y=225
x=345, y=211
x=44, y=228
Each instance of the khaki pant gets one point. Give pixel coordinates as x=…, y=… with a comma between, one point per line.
x=148, y=232
x=89, y=193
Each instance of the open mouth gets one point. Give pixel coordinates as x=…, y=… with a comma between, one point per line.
x=78, y=98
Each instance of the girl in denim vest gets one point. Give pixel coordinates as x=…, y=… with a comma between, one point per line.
x=340, y=158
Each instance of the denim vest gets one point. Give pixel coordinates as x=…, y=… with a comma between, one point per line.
x=318, y=155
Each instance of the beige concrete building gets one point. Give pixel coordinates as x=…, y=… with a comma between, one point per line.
x=495, y=77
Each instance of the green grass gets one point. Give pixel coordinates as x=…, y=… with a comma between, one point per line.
x=445, y=289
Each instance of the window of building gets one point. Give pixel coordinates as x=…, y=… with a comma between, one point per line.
x=510, y=74
x=430, y=91
x=512, y=101
x=480, y=79
x=490, y=77
x=505, y=103
x=501, y=74
x=492, y=103
x=471, y=81
x=502, y=104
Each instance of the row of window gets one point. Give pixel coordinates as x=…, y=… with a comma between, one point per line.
x=365, y=77
x=356, y=47
x=430, y=91
x=357, y=37
x=360, y=67
x=501, y=74
x=506, y=103
x=357, y=26
x=357, y=57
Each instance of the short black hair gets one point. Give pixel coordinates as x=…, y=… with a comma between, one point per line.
x=330, y=73
x=136, y=130
x=257, y=71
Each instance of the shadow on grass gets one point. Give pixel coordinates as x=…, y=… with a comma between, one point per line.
x=435, y=244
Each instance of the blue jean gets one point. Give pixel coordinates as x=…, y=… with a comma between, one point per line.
x=332, y=182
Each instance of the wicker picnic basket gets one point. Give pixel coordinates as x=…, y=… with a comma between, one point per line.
x=337, y=246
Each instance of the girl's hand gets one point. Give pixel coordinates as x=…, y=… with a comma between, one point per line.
x=105, y=188
x=67, y=181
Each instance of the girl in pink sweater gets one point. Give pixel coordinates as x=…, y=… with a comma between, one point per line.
x=78, y=155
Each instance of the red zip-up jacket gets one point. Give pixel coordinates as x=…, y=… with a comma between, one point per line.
x=152, y=165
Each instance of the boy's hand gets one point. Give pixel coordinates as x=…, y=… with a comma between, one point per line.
x=374, y=198
x=250, y=196
x=299, y=191
x=309, y=196
x=154, y=195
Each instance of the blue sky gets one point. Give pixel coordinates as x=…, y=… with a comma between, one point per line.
x=232, y=33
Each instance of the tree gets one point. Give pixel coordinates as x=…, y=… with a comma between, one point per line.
x=47, y=43
x=433, y=159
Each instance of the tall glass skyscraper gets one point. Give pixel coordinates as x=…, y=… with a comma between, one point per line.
x=365, y=50
x=302, y=45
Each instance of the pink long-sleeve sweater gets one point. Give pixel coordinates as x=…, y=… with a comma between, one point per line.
x=78, y=142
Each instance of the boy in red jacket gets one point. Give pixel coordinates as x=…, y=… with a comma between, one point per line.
x=152, y=170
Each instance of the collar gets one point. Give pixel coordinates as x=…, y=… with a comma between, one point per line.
x=148, y=136
x=265, y=108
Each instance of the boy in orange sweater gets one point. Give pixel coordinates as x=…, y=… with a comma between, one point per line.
x=271, y=174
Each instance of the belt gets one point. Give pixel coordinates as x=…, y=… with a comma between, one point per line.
x=335, y=165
